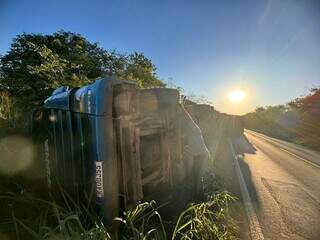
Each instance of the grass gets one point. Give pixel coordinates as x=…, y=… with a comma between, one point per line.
x=206, y=220
x=49, y=221
x=36, y=218
x=24, y=216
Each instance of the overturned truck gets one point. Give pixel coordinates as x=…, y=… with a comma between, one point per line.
x=114, y=144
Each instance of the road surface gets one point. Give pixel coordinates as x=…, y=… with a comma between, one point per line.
x=283, y=181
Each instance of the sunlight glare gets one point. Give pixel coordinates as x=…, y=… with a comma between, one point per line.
x=236, y=96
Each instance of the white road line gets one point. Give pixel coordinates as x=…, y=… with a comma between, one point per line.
x=254, y=225
x=274, y=142
x=278, y=142
x=306, y=161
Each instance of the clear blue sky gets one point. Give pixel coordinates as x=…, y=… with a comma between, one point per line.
x=268, y=48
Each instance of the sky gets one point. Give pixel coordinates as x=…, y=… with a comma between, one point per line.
x=269, y=49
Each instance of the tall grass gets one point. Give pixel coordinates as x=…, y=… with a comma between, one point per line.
x=41, y=218
x=45, y=219
x=206, y=220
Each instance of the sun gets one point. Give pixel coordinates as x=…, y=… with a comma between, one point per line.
x=236, y=96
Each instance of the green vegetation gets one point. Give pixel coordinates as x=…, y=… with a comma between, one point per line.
x=38, y=215
x=37, y=64
x=298, y=121
x=206, y=220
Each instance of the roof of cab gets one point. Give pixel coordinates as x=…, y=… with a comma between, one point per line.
x=89, y=99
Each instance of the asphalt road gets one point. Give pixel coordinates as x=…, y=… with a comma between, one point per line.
x=283, y=180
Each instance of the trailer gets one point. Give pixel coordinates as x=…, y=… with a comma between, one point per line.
x=214, y=124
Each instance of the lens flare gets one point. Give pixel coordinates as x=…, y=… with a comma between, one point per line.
x=17, y=154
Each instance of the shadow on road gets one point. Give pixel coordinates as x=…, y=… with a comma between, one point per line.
x=242, y=147
x=246, y=172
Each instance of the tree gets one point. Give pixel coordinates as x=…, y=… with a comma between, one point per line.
x=298, y=121
x=36, y=64
x=141, y=70
x=308, y=108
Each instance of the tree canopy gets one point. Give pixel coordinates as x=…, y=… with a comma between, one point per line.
x=298, y=121
x=36, y=64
